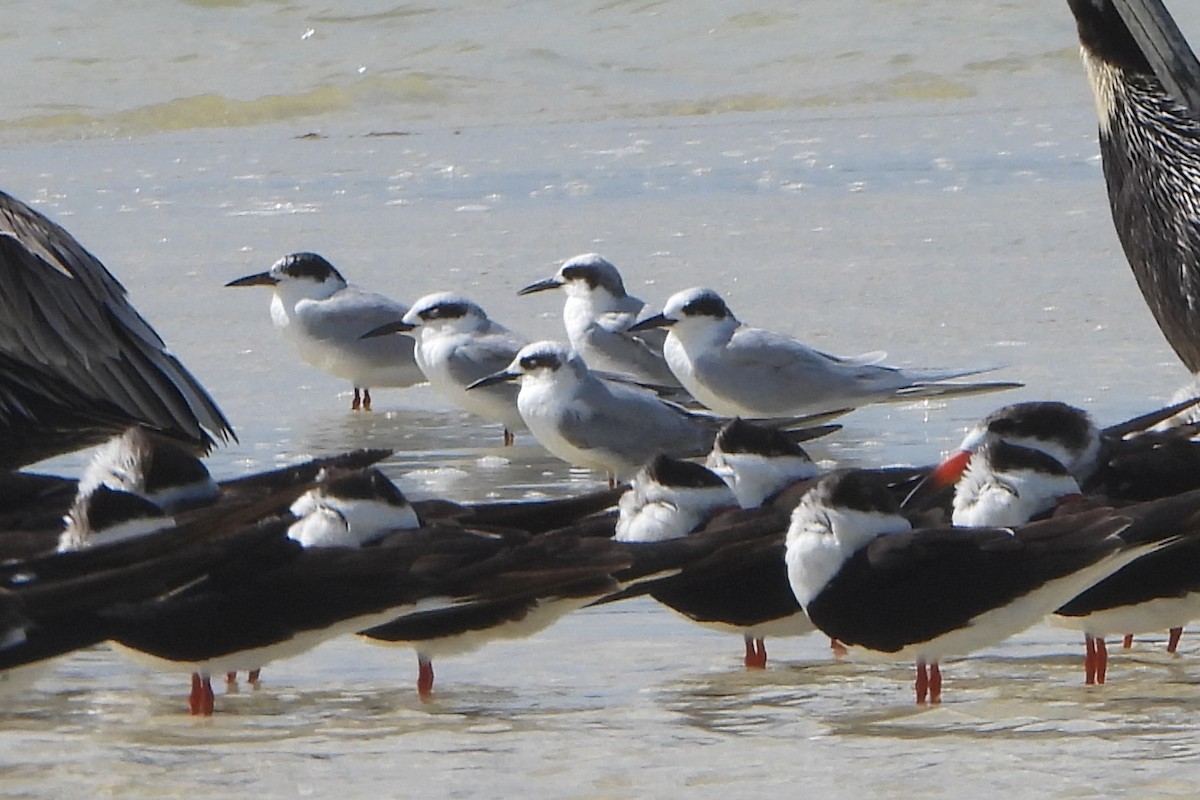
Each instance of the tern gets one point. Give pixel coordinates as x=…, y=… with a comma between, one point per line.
x=589, y=422
x=325, y=317
x=457, y=345
x=598, y=314
x=737, y=370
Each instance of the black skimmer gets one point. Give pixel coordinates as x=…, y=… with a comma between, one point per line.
x=113, y=501
x=282, y=599
x=156, y=469
x=1133, y=460
x=869, y=579
x=559, y=574
x=152, y=467
x=358, y=510
x=764, y=467
x=670, y=498
x=738, y=583
x=534, y=516
x=1146, y=83
x=1159, y=591
x=78, y=363
x=758, y=462
x=744, y=587
x=1006, y=484
x=62, y=601
x=324, y=316
x=105, y=515
x=365, y=505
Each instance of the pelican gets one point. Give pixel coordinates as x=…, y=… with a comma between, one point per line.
x=78, y=363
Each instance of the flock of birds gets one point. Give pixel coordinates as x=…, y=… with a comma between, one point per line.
x=1039, y=515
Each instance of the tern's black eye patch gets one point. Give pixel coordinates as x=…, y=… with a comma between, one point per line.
x=706, y=305
x=540, y=361
x=445, y=311
x=582, y=272
x=597, y=273
x=307, y=265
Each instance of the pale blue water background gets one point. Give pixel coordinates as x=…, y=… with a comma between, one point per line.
x=915, y=177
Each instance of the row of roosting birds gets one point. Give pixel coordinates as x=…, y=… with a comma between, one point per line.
x=1040, y=515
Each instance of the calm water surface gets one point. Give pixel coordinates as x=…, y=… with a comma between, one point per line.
x=920, y=178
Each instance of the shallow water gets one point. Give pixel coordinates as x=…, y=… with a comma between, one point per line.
x=921, y=179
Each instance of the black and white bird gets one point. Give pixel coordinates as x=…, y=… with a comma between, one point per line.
x=598, y=314
x=1129, y=461
x=669, y=498
x=870, y=580
x=366, y=510
x=280, y=598
x=112, y=537
x=159, y=471
x=525, y=585
x=152, y=467
x=324, y=316
x=78, y=363
x=457, y=344
x=119, y=513
x=351, y=510
x=1008, y=485
x=53, y=604
x=758, y=462
x=103, y=515
x=739, y=371
x=276, y=601
x=742, y=587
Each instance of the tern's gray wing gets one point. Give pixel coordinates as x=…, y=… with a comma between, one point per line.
x=77, y=361
x=616, y=321
x=624, y=315
x=619, y=351
x=633, y=424
x=483, y=356
x=348, y=314
x=608, y=345
x=654, y=338
x=779, y=375
x=335, y=326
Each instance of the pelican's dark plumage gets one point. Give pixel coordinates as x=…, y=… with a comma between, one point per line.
x=1150, y=147
x=78, y=363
